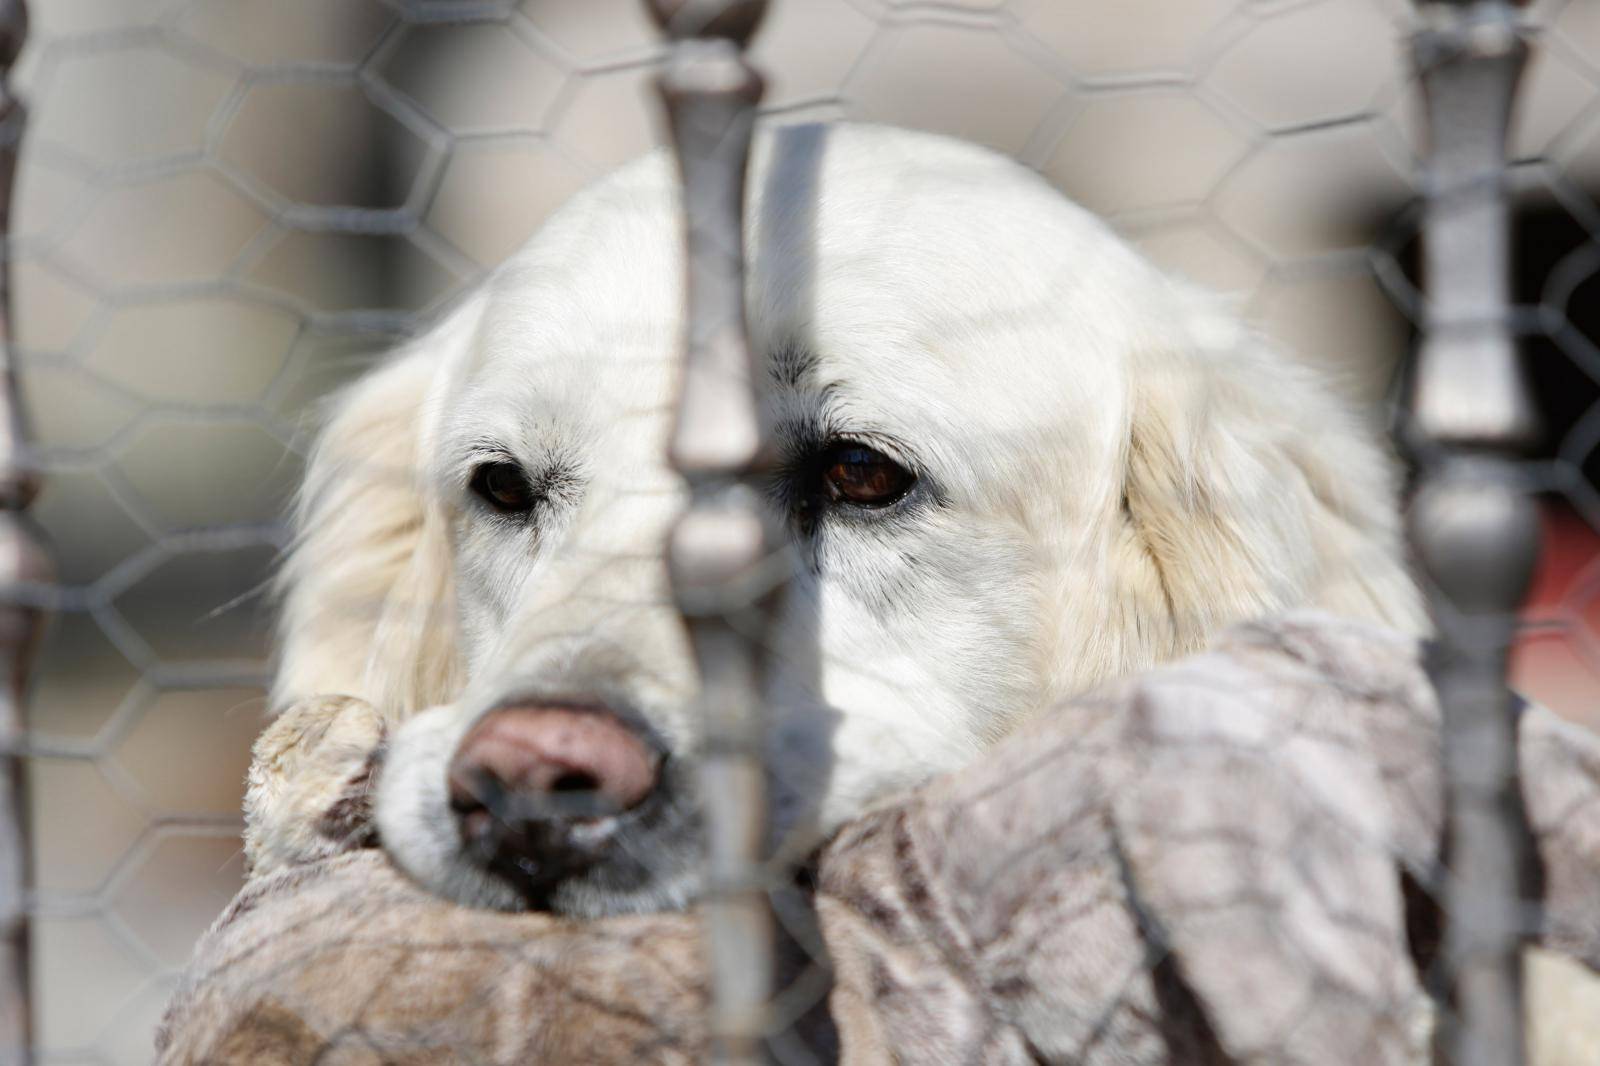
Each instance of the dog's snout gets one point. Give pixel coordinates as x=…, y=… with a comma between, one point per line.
x=566, y=761
x=534, y=789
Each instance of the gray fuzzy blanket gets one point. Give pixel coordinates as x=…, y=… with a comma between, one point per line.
x=1225, y=860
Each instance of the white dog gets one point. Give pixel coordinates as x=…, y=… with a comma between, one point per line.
x=1017, y=460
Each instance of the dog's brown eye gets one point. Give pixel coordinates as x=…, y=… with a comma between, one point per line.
x=855, y=473
x=504, y=487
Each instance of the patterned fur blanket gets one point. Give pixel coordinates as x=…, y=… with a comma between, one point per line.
x=1225, y=860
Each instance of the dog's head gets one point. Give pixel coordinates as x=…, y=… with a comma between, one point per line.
x=1014, y=458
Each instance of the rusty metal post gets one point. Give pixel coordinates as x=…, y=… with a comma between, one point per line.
x=24, y=569
x=719, y=552
x=1472, y=524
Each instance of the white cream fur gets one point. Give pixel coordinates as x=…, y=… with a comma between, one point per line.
x=1112, y=467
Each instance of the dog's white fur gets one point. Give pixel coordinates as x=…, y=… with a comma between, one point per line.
x=1111, y=468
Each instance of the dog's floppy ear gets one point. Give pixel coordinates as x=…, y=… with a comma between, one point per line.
x=367, y=602
x=1251, y=487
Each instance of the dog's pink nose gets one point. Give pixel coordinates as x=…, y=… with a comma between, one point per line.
x=561, y=761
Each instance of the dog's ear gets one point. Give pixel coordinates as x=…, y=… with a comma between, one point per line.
x=367, y=602
x=1251, y=487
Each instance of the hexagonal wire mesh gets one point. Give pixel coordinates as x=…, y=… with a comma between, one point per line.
x=228, y=207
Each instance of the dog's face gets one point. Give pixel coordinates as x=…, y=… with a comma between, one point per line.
x=1012, y=458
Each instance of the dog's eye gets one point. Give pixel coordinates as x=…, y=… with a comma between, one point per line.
x=854, y=473
x=504, y=487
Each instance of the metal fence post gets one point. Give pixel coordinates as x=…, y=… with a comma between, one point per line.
x=1473, y=526
x=719, y=552
x=23, y=567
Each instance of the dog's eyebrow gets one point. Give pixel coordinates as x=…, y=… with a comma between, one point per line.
x=480, y=448
x=790, y=363
x=471, y=453
x=486, y=445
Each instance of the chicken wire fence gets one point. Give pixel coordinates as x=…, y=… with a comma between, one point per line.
x=225, y=208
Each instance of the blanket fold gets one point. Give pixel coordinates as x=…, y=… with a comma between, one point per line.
x=1202, y=864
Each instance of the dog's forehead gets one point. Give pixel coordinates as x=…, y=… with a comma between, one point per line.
x=903, y=269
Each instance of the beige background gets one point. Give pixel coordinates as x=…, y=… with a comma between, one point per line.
x=228, y=206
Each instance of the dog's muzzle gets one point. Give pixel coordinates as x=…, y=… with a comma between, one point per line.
x=538, y=791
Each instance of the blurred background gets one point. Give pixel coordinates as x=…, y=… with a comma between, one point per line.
x=228, y=207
